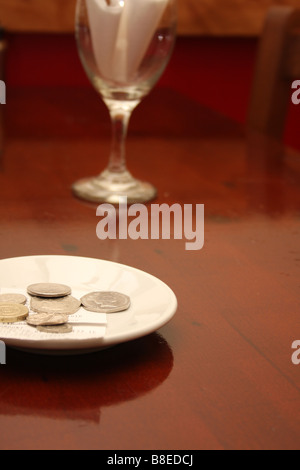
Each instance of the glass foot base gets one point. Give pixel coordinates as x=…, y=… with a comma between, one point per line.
x=111, y=187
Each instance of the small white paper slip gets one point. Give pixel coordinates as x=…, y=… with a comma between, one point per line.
x=86, y=325
x=83, y=317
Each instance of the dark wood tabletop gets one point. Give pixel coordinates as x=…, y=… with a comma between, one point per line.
x=219, y=375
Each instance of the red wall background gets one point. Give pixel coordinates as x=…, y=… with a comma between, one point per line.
x=217, y=72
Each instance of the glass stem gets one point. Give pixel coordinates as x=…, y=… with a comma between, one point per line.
x=120, y=120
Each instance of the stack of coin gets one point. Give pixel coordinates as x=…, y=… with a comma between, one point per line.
x=12, y=308
x=53, y=304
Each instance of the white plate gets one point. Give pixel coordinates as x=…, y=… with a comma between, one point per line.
x=153, y=302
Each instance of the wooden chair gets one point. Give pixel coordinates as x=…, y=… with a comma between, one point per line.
x=278, y=65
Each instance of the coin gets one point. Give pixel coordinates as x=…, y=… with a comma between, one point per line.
x=49, y=290
x=64, y=305
x=45, y=319
x=62, y=329
x=12, y=313
x=106, y=302
x=13, y=299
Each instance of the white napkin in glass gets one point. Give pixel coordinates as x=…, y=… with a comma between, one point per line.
x=121, y=33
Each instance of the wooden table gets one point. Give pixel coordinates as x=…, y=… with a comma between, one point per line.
x=220, y=375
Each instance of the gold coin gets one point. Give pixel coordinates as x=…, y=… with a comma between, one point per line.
x=12, y=313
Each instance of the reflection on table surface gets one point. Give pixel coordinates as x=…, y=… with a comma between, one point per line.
x=111, y=376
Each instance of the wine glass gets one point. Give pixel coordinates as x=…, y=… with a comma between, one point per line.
x=124, y=46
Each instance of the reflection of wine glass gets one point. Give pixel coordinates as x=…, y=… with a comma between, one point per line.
x=124, y=46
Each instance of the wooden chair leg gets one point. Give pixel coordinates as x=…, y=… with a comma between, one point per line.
x=3, y=46
x=271, y=89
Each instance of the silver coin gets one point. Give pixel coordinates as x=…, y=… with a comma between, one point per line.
x=106, y=302
x=13, y=299
x=64, y=305
x=49, y=290
x=47, y=319
x=63, y=329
